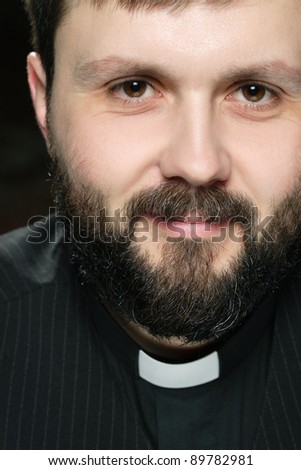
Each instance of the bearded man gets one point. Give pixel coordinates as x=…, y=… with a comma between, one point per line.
x=159, y=306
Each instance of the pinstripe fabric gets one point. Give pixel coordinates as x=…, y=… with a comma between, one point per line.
x=57, y=387
x=60, y=388
x=280, y=422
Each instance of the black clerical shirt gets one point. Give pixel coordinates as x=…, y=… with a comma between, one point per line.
x=69, y=376
x=220, y=414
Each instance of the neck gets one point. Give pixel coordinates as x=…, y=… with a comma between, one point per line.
x=171, y=350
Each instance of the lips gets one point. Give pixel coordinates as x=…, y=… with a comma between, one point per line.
x=188, y=219
x=191, y=227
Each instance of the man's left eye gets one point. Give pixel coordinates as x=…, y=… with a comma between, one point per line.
x=133, y=89
x=254, y=93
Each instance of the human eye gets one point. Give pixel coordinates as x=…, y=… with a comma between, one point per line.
x=133, y=91
x=255, y=96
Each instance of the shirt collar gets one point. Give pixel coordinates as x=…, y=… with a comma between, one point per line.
x=217, y=364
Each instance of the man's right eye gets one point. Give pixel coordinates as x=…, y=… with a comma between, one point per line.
x=132, y=90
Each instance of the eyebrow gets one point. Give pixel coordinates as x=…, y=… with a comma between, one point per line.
x=90, y=74
x=277, y=72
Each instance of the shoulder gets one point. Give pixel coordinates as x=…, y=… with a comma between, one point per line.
x=288, y=307
x=292, y=285
x=32, y=258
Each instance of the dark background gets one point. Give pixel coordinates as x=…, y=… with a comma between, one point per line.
x=24, y=186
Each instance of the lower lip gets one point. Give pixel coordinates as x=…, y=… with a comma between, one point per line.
x=191, y=230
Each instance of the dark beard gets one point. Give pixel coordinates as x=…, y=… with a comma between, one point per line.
x=182, y=297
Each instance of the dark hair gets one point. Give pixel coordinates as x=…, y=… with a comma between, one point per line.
x=46, y=15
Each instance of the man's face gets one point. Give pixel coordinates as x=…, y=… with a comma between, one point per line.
x=205, y=97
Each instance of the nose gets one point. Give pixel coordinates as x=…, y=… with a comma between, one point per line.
x=195, y=151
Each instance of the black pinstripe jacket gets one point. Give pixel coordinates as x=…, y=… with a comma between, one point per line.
x=58, y=389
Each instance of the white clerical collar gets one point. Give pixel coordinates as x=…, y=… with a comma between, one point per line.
x=230, y=352
x=189, y=374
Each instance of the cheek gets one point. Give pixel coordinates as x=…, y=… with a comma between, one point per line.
x=115, y=154
x=266, y=160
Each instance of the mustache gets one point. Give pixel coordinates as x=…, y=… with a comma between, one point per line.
x=175, y=200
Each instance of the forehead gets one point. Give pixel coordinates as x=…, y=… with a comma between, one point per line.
x=265, y=9
x=178, y=7
x=240, y=33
